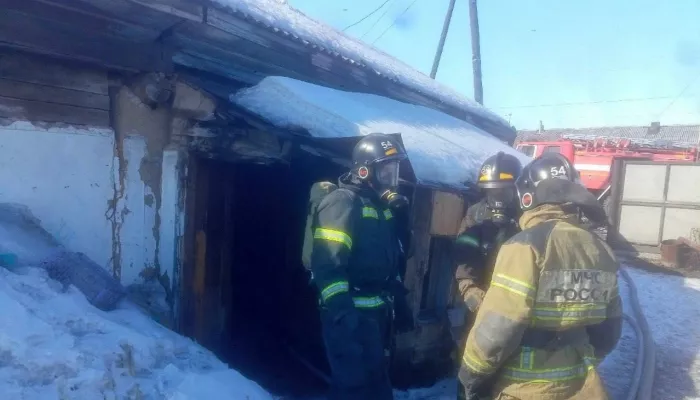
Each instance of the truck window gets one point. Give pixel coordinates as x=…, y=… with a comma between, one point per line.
x=552, y=149
x=528, y=150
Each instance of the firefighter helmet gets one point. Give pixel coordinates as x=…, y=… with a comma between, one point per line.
x=499, y=171
x=376, y=159
x=497, y=182
x=548, y=167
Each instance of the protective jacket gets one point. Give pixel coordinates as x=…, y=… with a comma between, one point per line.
x=478, y=242
x=551, y=313
x=355, y=264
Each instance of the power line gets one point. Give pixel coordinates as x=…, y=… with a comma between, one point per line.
x=395, y=21
x=585, y=103
x=678, y=97
x=366, y=16
x=386, y=10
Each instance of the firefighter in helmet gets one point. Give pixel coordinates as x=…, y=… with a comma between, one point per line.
x=553, y=309
x=487, y=224
x=355, y=266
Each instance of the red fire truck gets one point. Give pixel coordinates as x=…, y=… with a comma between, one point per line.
x=593, y=158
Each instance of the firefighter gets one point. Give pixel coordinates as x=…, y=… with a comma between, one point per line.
x=487, y=224
x=553, y=309
x=355, y=266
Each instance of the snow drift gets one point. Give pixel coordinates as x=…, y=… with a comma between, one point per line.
x=442, y=149
x=55, y=345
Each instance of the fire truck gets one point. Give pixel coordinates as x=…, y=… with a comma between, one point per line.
x=593, y=157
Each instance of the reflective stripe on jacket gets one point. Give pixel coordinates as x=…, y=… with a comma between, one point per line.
x=552, y=310
x=355, y=250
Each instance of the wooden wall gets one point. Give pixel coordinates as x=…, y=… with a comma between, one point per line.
x=40, y=90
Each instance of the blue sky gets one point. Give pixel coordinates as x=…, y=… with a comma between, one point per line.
x=568, y=63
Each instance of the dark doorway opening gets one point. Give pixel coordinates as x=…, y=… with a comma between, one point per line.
x=246, y=294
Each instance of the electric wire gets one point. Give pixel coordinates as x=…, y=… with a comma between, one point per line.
x=366, y=16
x=395, y=21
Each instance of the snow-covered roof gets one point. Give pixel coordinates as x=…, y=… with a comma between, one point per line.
x=443, y=150
x=279, y=16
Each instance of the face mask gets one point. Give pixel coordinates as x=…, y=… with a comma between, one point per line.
x=501, y=203
x=386, y=183
x=387, y=174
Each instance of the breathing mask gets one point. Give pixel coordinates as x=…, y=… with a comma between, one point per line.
x=500, y=202
x=386, y=183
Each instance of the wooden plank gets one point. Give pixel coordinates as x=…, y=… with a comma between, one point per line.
x=69, y=41
x=187, y=9
x=232, y=37
x=243, y=60
x=88, y=21
x=124, y=11
x=40, y=70
x=47, y=112
x=197, y=321
x=417, y=266
x=31, y=91
x=448, y=210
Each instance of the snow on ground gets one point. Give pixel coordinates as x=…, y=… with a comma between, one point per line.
x=442, y=149
x=55, y=345
x=279, y=15
x=672, y=308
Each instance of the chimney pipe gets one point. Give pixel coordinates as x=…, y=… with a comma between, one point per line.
x=654, y=128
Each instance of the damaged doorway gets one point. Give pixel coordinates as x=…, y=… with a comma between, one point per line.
x=246, y=294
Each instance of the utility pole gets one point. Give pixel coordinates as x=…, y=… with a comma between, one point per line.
x=476, y=52
x=443, y=37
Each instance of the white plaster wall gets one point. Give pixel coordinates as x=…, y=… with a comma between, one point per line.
x=137, y=219
x=67, y=177
x=170, y=213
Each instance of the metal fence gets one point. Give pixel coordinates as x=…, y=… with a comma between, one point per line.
x=652, y=202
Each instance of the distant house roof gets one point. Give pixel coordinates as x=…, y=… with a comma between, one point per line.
x=678, y=135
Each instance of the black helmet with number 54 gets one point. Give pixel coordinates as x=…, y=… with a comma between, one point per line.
x=376, y=160
x=552, y=179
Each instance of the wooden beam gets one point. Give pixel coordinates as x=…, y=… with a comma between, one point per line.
x=417, y=266
x=187, y=9
x=48, y=94
x=129, y=16
x=56, y=113
x=232, y=40
x=88, y=21
x=38, y=70
x=67, y=40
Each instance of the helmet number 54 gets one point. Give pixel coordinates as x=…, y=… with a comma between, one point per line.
x=560, y=171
